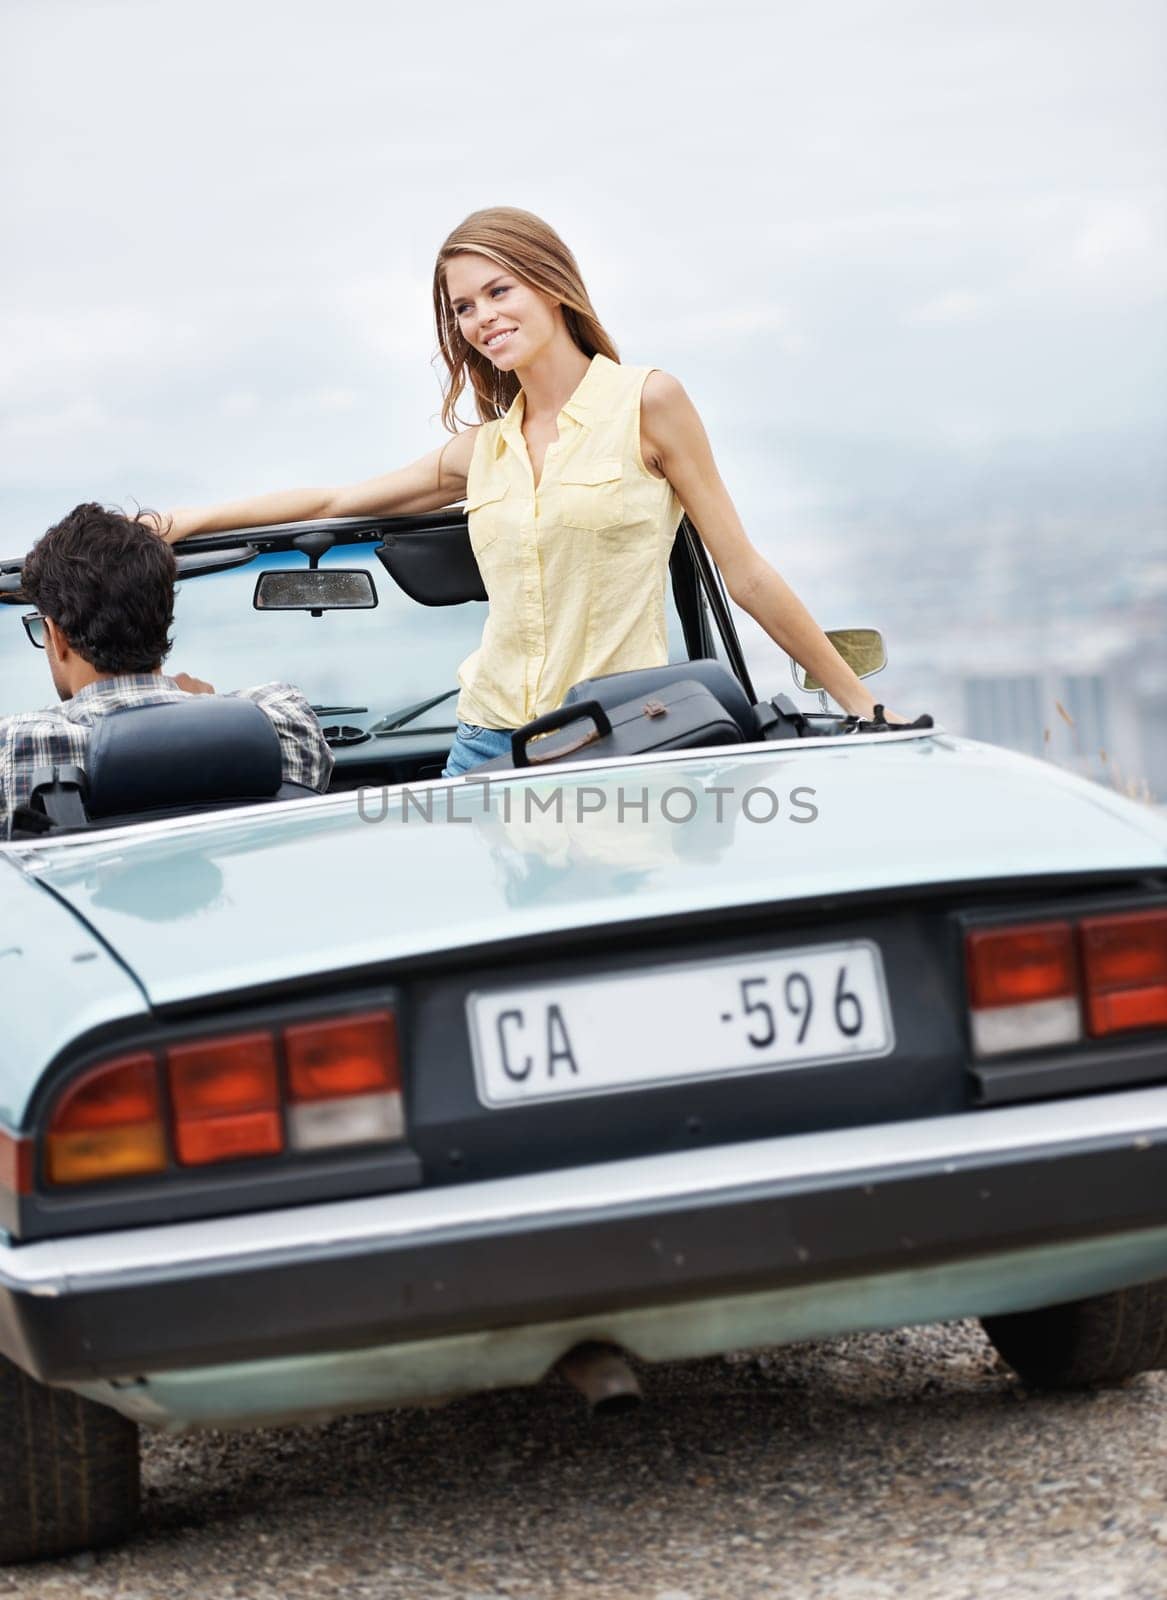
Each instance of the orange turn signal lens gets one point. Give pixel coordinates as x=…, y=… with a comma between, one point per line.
x=226, y=1098
x=106, y=1153
x=1124, y=959
x=108, y=1124
x=343, y=1056
x=1017, y=965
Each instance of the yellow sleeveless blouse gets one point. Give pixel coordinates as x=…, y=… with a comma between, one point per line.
x=575, y=570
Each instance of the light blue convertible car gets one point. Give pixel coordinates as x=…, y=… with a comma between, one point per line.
x=421, y=1087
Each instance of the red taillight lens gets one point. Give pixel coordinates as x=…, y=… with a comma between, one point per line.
x=108, y=1124
x=1018, y=965
x=109, y=1096
x=1124, y=961
x=226, y=1098
x=349, y=1055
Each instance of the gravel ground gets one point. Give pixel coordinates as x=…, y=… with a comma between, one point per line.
x=905, y=1465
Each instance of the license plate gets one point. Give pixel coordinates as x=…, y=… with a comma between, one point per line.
x=706, y=1019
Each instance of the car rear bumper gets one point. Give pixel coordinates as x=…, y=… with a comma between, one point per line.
x=1076, y=1193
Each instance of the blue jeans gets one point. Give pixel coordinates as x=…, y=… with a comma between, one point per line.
x=473, y=745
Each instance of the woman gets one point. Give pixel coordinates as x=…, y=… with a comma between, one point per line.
x=574, y=480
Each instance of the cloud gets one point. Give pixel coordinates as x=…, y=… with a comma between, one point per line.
x=1116, y=233
x=50, y=351
x=239, y=403
x=704, y=327
x=389, y=312
x=84, y=415
x=1120, y=249
x=953, y=306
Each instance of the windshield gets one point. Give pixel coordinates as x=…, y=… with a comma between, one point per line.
x=384, y=660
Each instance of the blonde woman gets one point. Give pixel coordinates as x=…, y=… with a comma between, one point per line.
x=575, y=481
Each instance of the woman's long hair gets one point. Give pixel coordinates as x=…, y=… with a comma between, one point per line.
x=525, y=245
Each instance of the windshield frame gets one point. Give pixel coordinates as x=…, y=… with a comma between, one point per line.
x=693, y=573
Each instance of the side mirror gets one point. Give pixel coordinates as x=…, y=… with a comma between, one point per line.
x=862, y=649
x=314, y=589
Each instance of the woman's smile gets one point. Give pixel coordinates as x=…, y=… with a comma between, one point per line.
x=494, y=340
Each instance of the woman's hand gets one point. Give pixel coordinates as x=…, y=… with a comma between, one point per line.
x=864, y=706
x=160, y=522
x=190, y=685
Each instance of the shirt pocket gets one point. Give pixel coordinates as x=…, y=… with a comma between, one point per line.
x=592, y=494
x=485, y=516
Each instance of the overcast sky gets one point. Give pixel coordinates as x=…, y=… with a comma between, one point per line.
x=933, y=225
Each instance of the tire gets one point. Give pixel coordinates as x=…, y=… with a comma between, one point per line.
x=69, y=1474
x=1086, y=1343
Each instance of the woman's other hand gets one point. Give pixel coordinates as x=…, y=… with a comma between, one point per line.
x=191, y=685
x=161, y=522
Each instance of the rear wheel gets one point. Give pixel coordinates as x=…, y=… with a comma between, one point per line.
x=69, y=1475
x=1101, y=1340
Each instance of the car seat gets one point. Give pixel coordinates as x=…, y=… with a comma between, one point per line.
x=146, y=762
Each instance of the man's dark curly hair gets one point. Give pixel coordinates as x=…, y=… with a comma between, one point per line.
x=107, y=581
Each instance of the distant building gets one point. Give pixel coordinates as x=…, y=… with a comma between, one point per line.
x=1091, y=721
x=1006, y=709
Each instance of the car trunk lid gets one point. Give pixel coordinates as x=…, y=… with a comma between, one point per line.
x=243, y=900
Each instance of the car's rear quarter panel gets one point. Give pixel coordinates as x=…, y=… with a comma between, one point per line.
x=59, y=982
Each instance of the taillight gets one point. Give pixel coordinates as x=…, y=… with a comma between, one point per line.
x=1023, y=987
x=254, y=1093
x=344, y=1081
x=1124, y=960
x=108, y=1124
x=226, y=1098
x=1031, y=984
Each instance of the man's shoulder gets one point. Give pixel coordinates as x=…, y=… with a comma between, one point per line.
x=33, y=739
x=46, y=719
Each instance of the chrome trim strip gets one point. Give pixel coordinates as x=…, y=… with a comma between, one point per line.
x=886, y=1151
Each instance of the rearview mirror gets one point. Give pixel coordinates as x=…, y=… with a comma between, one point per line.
x=314, y=589
x=862, y=649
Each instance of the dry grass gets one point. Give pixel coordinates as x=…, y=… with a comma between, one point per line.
x=1134, y=788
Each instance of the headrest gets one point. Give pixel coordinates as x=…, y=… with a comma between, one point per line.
x=190, y=752
x=617, y=687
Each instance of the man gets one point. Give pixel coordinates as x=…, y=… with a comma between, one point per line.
x=103, y=585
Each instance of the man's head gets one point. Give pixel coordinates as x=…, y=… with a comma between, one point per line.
x=104, y=584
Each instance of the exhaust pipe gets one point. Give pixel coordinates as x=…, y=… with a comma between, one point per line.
x=602, y=1376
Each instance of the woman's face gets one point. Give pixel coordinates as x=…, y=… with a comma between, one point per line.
x=499, y=313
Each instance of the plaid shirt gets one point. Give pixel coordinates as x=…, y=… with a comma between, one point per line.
x=59, y=735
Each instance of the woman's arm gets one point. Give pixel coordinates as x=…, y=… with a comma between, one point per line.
x=425, y=485
x=674, y=442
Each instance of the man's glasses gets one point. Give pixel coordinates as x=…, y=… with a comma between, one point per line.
x=34, y=626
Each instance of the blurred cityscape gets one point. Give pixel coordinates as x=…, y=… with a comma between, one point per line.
x=1022, y=594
